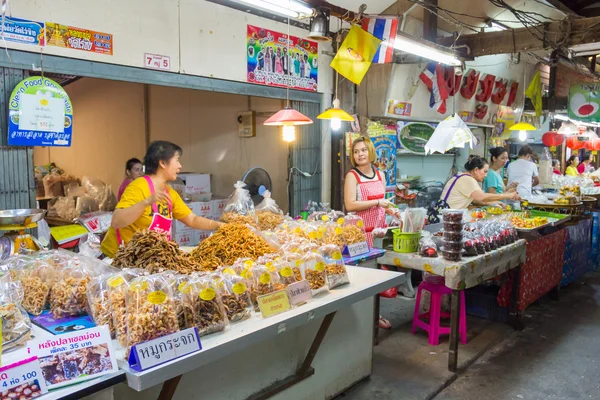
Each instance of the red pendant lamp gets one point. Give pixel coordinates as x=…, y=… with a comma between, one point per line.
x=593, y=145
x=573, y=143
x=288, y=118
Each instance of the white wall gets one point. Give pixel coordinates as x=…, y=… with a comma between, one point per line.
x=201, y=38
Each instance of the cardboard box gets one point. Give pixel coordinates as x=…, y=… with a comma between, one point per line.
x=187, y=238
x=204, y=235
x=218, y=205
x=202, y=208
x=180, y=227
x=196, y=183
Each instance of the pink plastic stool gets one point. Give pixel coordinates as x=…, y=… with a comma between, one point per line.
x=435, y=313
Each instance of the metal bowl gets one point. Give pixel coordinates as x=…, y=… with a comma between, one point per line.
x=21, y=217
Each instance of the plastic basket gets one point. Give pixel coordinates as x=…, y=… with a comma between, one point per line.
x=481, y=301
x=406, y=242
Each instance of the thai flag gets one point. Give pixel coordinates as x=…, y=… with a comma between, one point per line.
x=433, y=78
x=384, y=29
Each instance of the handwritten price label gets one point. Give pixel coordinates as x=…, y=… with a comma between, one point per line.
x=155, y=61
x=357, y=249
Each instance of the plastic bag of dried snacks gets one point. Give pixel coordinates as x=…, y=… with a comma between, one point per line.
x=239, y=207
x=151, y=309
x=99, y=303
x=68, y=295
x=36, y=277
x=260, y=281
x=177, y=283
x=313, y=269
x=203, y=305
x=118, y=284
x=16, y=326
x=287, y=272
x=334, y=266
x=236, y=298
x=268, y=213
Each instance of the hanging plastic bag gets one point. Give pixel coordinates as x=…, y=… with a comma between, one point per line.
x=239, y=207
x=268, y=213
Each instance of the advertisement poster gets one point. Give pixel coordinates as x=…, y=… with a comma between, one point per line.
x=75, y=357
x=23, y=31
x=59, y=326
x=502, y=121
x=399, y=108
x=413, y=136
x=269, y=62
x=79, y=39
x=584, y=102
x=22, y=380
x=385, y=147
x=40, y=114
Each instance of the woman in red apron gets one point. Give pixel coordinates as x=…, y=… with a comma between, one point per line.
x=148, y=203
x=364, y=193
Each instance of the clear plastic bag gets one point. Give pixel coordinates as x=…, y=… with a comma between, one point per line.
x=178, y=282
x=260, y=281
x=334, y=235
x=151, y=309
x=335, y=268
x=427, y=246
x=239, y=207
x=313, y=269
x=117, y=285
x=287, y=272
x=236, y=298
x=99, y=303
x=353, y=229
x=268, y=213
x=203, y=306
x=36, y=277
x=68, y=294
x=16, y=326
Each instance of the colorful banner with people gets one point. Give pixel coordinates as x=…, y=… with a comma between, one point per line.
x=274, y=62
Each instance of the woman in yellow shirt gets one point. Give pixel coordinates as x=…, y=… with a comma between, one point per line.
x=148, y=203
x=572, y=164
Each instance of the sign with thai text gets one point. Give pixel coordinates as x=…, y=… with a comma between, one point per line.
x=163, y=349
x=22, y=380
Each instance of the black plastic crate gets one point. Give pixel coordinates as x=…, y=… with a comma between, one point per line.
x=481, y=302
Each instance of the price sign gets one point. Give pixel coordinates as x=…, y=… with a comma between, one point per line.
x=165, y=348
x=66, y=359
x=357, y=249
x=22, y=380
x=155, y=61
x=299, y=292
x=273, y=303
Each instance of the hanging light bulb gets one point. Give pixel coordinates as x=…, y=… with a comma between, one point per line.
x=289, y=133
x=336, y=124
x=522, y=136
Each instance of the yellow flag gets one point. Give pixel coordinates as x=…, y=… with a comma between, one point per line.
x=534, y=93
x=354, y=57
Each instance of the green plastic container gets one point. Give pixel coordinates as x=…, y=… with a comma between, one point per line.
x=406, y=242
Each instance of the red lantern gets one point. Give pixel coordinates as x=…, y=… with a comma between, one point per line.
x=553, y=139
x=573, y=143
x=593, y=145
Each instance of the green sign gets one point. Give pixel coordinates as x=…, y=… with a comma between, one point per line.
x=584, y=102
x=414, y=136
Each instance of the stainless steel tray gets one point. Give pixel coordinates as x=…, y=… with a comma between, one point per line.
x=21, y=217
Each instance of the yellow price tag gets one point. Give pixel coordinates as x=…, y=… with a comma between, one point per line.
x=265, y=278
x=239, y=288
x=207, y=294
x=115, y=281
x=286, y=272
x=157, y=297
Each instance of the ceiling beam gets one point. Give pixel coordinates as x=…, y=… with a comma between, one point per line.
x=519, y=40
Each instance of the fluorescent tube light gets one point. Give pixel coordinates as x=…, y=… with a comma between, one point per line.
x=425, y=49
x=291, y=9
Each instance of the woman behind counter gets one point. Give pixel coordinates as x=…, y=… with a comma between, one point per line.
x=133, y=170
x=148, y=203
x=364, y=193
x=572, y=164
x=463, y=189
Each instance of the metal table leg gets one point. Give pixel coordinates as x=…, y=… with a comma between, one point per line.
x=454, y=317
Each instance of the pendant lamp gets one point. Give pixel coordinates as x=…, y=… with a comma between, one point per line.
x=288, y=118
x=523, y=127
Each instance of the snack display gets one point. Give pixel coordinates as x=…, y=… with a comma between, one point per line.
x=35, y=276
x=453, y=227
x=261, y=281
x=353, y=229
x=452, y=246
x=528, y=223
x=68, y=294
x=268, y=213
x=154, y=252
x=451, y=215
x=236, y=298
x=150, y=309
x=239, y=208
x=16, y=326
x=203, y=305
x=452, y=236
x=314, y=270
x=451, y=255
x=117, y=285
x=334, y=266
x=99, y=303
x=288, y=274
x=229, y=243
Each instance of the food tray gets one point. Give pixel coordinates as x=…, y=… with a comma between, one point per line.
x=21, y=217
x=551, y=222
x=554, y=205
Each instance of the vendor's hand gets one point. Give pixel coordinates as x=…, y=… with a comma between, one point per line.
x=157, y=197
x=499, y=205
x=392, y=211
x=511, y=189
x=384, y=203
x=512, y=196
